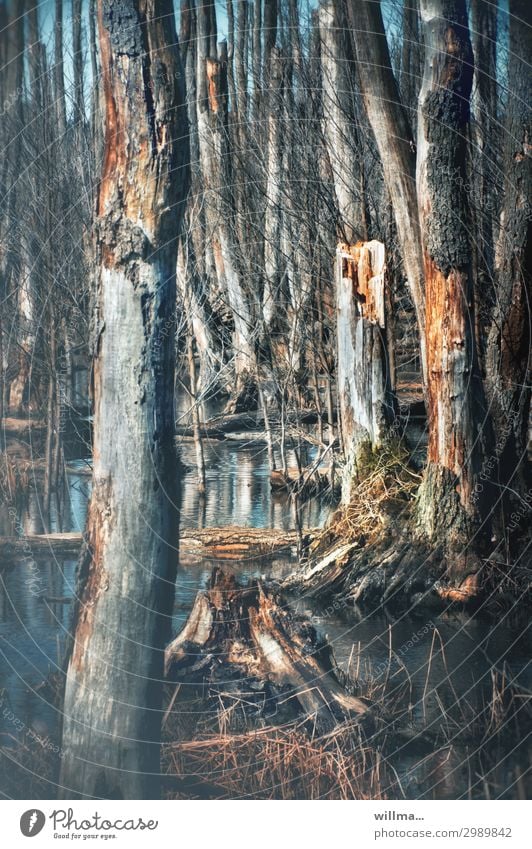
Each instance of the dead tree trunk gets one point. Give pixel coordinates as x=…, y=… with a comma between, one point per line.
x=339, y=127
x=411, y=60
x=395, y=143
x=77, y=63
x=111, y=729
x=221, y=182
x=59, y=80
x=364, y=391
x=455, y=396
x=274, y=178
x=509, y=341
x=484, y=134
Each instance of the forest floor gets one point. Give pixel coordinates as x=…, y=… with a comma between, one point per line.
x=287, y=723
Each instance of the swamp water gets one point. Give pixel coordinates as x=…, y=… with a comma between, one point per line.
x=443, y=664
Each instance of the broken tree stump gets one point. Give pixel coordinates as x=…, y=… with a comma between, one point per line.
x=243, y=638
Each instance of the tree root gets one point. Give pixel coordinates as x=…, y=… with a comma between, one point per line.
x=394, y=568
x=241, y=640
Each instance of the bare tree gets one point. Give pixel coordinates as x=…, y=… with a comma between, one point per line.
x=111, y=729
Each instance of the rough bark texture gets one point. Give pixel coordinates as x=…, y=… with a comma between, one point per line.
x=455, y=396
x=59, y=82
x=509, y=343
x=343, y=147
x=274, y=182
x=111, y=729
x=364, y=390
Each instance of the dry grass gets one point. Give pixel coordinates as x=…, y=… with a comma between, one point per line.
x=14, y=479
x=278, y=763
x=384, y=484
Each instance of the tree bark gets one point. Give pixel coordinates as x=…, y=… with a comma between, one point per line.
x=339, y=121
x=395, y=143
x=458, y=422
x=221, y=182
x=484, y=153
x=509, y=342
x=59, y=80
x=274, y=178
x=111, y=729
x=77, y=63
x=364, y=391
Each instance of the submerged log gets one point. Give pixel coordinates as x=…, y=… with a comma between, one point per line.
x=12, y=426
x=219, y=543
x=220, y=427
x=307, y=482
x=39, y=545
x=243, y=637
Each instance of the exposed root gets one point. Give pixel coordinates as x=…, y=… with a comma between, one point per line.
x=240, y=639
x=373, y=552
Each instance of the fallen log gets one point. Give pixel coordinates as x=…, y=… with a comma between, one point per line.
x=34, y=545
x=37, y=468
x=240, y=641
x=11, y=426
x=218, y=543
x=233, y=539
x=306, y=483
x=244, y=424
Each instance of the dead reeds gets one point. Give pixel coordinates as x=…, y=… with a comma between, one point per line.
x=279, y=763
x=383, y=485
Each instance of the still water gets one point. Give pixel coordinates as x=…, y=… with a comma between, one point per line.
x=441, y=662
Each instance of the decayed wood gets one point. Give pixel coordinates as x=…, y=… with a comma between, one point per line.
x=221, y=248
x=509, y=355
x=455, y=397
x=236, y=538
x=231, y=542
x=245, y=633
x=112, y=719
x=12, y=426
x=393, y=135
x=364, y=386
x=274, y=186
x=40, y=545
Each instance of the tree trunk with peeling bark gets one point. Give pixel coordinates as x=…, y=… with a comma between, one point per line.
x=274, y=181
x=221, y=183
x=458, y=422
x=111, y=726
x=365, y=397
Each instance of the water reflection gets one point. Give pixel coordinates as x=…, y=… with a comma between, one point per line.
x=445, y=661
